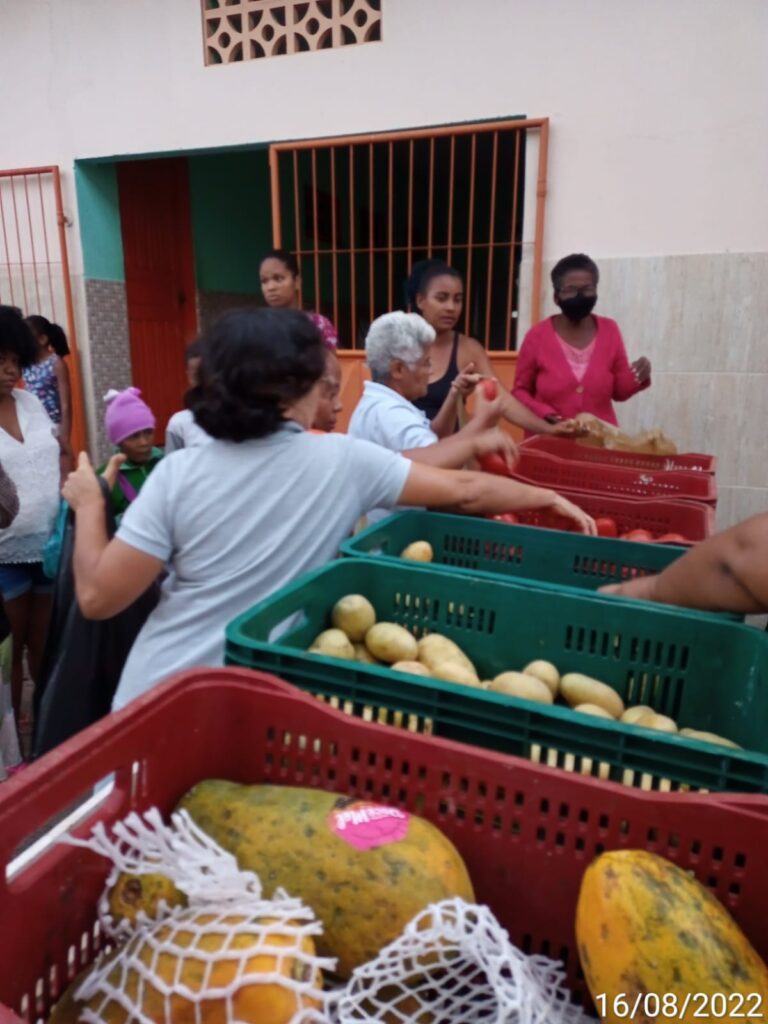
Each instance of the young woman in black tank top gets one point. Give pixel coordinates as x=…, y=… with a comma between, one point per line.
x=439, y=390
x=436, y=291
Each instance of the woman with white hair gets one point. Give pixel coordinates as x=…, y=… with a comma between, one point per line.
x=397, y=350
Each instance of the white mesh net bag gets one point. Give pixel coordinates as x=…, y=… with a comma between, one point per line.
x=453, y=964
x=229, y=956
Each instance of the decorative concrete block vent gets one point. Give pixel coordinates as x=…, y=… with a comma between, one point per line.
x=237, y=30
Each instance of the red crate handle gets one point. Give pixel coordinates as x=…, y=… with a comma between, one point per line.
x=30, y=799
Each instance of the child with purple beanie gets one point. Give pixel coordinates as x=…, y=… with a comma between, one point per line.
x=130, y=426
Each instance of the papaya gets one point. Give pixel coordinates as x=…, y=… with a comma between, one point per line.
x=364, y=869
x=167, y=979
x=643, y=925
x=134, y=893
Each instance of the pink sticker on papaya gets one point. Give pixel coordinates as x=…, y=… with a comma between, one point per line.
x=366, y=825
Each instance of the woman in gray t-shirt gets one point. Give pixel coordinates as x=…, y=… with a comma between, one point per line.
x=263, y=503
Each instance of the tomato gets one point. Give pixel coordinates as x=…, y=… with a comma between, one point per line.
x=606, y=527
x=643, y=536
x=506, y=517
x=672, y=538
x=490, y=389
x=492, y=462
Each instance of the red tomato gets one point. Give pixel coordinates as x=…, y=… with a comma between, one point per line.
x=492, y=462
x=606, y=527
x=643, y=536
x=490, y=389
x=672, y=538
x=506, y=517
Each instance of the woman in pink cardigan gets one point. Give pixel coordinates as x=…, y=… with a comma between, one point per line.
x=575, y=361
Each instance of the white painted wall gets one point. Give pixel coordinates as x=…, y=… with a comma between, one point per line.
x=658, y=108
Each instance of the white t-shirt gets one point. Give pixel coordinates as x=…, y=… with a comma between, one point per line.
x=237, y=522
x=34, y=468
x=183, y=431
x=388, y=419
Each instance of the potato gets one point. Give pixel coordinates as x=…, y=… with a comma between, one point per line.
x=578, y=689
x=334, y=643
x=435, y=648
x=418, y=551
x=546, y=672
x=450, y=671
x=709, y=737
x=518, y=684
x=661, y=723
x=414, y=668
x=364, y=655
x=354, y=614
x=593, y=709
x=638, y=715
x=389, y=642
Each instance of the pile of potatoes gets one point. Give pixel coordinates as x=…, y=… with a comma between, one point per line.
x=540, y=681
x=357, y=636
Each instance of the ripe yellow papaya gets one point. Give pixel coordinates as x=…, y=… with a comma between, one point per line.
x=644, y=926
x=364, y=869
x=174, y=982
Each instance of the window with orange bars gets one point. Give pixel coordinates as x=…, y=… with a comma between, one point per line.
x=360, y=211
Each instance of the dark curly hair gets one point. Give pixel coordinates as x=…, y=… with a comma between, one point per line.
x=576, y=261
x=16, y=337
x=255, y=362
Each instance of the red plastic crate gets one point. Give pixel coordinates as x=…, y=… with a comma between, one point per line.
x=688, y=518
x=534, y=467
x=688, y=462
x=526, y=832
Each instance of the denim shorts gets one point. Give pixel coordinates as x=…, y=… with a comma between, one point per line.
x=18, y=578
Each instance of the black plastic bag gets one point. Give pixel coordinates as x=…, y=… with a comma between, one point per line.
x=83, y=660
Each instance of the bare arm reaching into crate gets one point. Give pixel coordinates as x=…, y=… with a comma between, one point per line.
x=110, y=575
x=727, y=572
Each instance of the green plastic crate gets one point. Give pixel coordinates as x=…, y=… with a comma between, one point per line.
x=547, y=558
x=705, y=672
x=484, y=546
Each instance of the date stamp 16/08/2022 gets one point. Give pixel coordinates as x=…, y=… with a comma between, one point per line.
x=645, y=1007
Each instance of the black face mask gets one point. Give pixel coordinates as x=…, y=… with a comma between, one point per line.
x=578, y=307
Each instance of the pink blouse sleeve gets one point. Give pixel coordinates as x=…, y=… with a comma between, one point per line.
x=625, y=384
x=526, y=370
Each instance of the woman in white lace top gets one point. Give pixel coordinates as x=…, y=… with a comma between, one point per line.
x=29, y=453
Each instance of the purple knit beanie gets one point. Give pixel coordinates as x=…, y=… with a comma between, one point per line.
x=126, y=414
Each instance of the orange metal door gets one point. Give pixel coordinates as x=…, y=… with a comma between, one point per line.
x=159, y=278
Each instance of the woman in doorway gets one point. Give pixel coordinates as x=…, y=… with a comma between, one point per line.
x=280, y=280
x=29, y=453
x=436, y=291
x=48, y=380
x=233, y=544
x=575, y=362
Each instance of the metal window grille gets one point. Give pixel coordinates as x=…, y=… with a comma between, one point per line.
x=238, y=30
x=359, y=211
x=34, y=264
